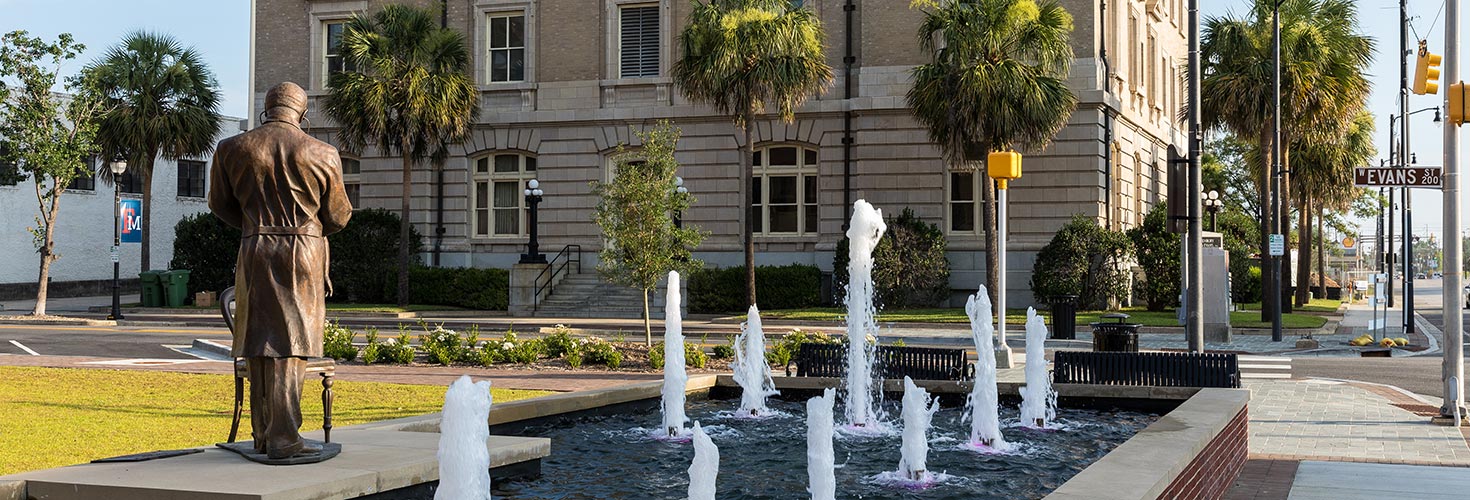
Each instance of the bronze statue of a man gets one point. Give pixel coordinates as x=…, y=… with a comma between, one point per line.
x=283, y=189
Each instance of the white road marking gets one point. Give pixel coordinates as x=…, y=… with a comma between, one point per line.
x=189, y=350
x=24, y=348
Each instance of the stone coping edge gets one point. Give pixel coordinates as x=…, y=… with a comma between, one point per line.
x=546, y=406
x=1146, y=464
x=1008, y=388
x=11, y=489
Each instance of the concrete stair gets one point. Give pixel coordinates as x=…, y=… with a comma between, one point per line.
x=1264, y=367
x=586, y=295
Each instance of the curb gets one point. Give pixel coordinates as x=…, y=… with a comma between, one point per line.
x=1430, y=332
x=59, y=322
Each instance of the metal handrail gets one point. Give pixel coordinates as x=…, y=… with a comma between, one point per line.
x=567, y=257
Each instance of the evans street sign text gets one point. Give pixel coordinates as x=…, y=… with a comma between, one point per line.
x=1394, y=177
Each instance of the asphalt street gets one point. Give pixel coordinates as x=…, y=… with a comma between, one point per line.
x=102, y=341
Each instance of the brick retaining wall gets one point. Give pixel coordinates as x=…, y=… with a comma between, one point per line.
x=1209, y=476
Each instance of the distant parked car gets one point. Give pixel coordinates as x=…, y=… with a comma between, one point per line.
x=1419, y=276
x=1467, y=296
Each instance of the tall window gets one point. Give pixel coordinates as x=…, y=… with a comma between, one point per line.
x=507, y=47
x=962, y=203
x=785, y=190
x=638, y=41
x=129, y=183
x=191, y=178
x=86, y=179
x=352, y=179
x=333, y=60
x=499, y=208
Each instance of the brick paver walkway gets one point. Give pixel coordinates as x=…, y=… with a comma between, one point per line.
x=1322, y=420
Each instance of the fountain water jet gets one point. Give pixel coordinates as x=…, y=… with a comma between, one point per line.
x=464, y=460
x=704, y=468
x=751, y=370
x=820, y=458
x=675, y=378
x=984, y=402
x=918, y=411
x=1038, y=400
x=863, y=233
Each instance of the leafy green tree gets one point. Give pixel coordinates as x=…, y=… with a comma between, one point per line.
x=1157, y=252
x=161, y=100
x=43, y=136
x=1083, y=259
x=996, y=81
x=1324, y=174
x=910, y=268
x=412, y=95
x=1323, y=79
x=635, y=212
x=740, y=55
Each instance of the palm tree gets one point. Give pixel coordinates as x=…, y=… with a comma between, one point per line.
x=1324, y=176
x=161, y=101
x=740, y=55
x=412, y=95
x=996, y=82
x=1324, y=58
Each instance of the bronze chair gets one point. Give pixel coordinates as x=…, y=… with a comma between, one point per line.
x=327, y=367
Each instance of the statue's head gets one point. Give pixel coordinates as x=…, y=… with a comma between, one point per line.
x=285, y=102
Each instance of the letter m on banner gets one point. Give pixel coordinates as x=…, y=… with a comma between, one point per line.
x=131, y=214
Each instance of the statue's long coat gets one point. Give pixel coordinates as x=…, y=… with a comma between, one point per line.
x=283, y=189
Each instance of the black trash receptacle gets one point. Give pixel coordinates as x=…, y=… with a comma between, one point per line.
x=1115, y=337
x=1064, y=317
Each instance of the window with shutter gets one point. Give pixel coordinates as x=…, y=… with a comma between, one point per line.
x=638, y=41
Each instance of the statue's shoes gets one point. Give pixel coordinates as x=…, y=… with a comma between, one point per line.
x=301, y=448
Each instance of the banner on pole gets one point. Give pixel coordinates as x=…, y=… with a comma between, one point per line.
x=130, y=215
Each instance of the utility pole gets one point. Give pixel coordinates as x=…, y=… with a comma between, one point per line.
x=1404, y=156
x=1454, y=344
x=1194, y=301
x=1276, y=199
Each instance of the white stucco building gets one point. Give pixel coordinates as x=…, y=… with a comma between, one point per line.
x=84, y=227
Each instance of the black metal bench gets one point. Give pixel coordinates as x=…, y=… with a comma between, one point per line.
x=1159, y=369
x=890, y=362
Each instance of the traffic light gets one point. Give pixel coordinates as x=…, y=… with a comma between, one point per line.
x=1426, y=77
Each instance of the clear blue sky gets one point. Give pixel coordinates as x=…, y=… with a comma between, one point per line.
x=220, y=30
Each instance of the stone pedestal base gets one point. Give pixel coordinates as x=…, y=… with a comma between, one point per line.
x=1217, y=333
x=1005, y=358
x=522, y=299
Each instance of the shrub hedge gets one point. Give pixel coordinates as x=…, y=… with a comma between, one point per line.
x=793, y=286
x=471, y=288
x=207, y=247
x=365, y=258
x=910, y=268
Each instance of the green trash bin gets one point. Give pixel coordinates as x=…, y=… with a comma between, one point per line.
x=178, y=287
x=152, y=293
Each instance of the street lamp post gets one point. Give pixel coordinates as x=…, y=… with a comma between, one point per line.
x=679, y=190
x=533, y=194
x=118, y=165
x=1212, y=205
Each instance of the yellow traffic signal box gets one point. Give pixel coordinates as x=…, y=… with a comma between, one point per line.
x=1426, y=76
x=1004, y=166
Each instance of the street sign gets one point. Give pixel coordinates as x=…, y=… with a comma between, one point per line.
x=131, y=212
x=114, y=253
x=1278, y=245
x=1397, y=177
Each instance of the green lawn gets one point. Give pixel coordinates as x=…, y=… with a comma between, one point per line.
x=1319, y=306
x=1018, y=317
x=50, y=417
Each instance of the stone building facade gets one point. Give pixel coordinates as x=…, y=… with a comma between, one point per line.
x=564, y=82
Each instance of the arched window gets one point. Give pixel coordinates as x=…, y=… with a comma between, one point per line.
x=784, y=190
x=498, y=208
